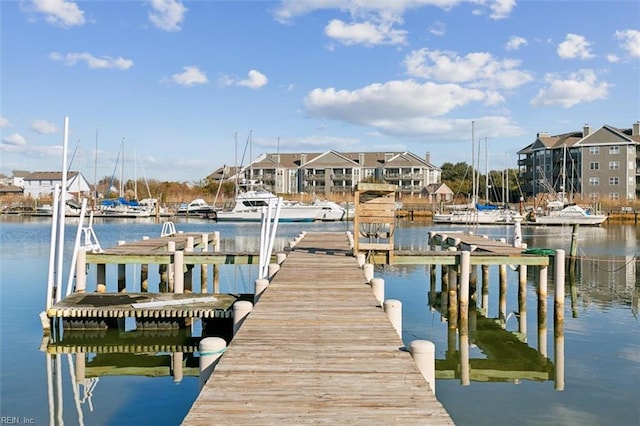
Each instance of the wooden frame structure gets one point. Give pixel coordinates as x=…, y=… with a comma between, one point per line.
x=374, y=219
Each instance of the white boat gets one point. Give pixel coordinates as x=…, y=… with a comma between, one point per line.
x=331, y=211
x=561, y=214
x=123, y=208
x=248, y=206
x=479, y=216
x=195, y=208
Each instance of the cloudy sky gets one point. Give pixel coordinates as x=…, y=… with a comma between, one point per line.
x=183, y=85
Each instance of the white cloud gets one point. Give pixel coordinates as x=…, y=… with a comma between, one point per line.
x=167, y=14
x=613, y=58
x=15, y=139
x=438, y=29
x=377, y=104
x=4, y=123
x=287, y=10
x=189, y=77
x=372, y=22
x=43, y=127
x=255, y=80
x=630, y=41
x=92, y=61
x=366, y=33
x=61, y=13
x=580, y=87
x=501, y=9
x=515, y=43
x=479, y=69
x=574, y=46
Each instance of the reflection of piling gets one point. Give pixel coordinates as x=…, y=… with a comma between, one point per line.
x=485, y=288
x=522, y=300
x=502, y=295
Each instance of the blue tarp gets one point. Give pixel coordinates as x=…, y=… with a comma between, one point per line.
x=120, y=202
x=486, y=207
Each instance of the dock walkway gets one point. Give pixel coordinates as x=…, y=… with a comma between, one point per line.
x=317, y=349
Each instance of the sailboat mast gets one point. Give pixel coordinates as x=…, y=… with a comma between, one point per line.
x=486, y=170
x=473, y=163
x=95, y=174
x=564, y=172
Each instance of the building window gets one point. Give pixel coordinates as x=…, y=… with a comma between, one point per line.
x=614, y=181
x=614, y=196
x=594, y=181
x=615, y=149
x=614, y=165
x=594, y=165
x=594, y=150
x=594, y=196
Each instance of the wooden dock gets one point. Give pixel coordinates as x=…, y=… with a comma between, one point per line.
x=317, y=348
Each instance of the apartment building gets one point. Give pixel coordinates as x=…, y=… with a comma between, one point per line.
x=333, y=172
x=595, y=165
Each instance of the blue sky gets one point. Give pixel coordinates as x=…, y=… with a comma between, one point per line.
x=181, y=81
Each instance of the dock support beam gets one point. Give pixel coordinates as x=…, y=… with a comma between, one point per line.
x=542, y=310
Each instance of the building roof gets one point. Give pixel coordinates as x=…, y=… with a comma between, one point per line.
x=48, y=176
x=606, y=135
x=11, y=189
x=20, y=173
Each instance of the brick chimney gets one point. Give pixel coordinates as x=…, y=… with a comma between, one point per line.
x=636, y=129
x=586, y=130
x=427, y=157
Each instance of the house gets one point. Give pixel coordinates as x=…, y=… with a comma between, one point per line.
x=333, y=172
x=18, y=176
x=596, y=165
x=41, y=184
x=438, y=192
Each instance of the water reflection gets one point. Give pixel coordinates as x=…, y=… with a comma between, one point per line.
x=93, y=355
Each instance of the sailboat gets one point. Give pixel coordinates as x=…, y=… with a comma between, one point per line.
x=476, y=213
x=123, y=208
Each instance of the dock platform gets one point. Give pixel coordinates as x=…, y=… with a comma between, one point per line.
x=317, y=349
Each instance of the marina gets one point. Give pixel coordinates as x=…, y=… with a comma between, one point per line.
x=404, y=282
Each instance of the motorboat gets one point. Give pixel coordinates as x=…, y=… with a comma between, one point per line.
x=564, y=214
x=332, y=211
x=197, y=207
x=248, y=205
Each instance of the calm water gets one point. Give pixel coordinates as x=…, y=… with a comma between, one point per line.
x=601, y=348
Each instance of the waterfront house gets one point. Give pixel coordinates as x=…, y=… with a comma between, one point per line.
x=40, y=184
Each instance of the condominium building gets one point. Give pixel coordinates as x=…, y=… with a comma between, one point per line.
x=334, y=172
x=594, y=165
